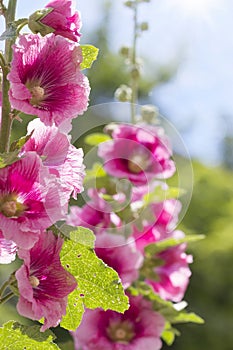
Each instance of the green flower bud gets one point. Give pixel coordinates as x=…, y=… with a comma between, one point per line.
x=129, y=4
x=125, y=51
x=35, y=25
x=123, y=93
x=135, y=72
x=144, y=26
x=149, y=113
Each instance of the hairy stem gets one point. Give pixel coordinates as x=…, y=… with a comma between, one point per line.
x=6, y=123
x=6, y=297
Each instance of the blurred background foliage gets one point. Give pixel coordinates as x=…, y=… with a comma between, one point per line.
x=210, y=293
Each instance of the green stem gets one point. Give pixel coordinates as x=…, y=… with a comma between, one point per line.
x=6, y=123
x=6, y=297
x=3, y=288
x=134, y=77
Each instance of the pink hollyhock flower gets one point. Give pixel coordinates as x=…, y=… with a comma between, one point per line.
x=62, y=159
x=30, y=200
x=138, y=328
x=96, y=214
x=139, y=153
x=45, y=78
x=7, y=250
x=119, y=254
x=43, y=283
x=174, y=273
x=61, y=20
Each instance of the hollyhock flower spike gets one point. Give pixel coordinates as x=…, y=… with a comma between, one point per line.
x=7, y=250
x=119, y=254
x=30, y=200
x=62, y=159
x=59, y=20
x=43, y=283
x=45, y=79
x=140, y=153
x=138, y=328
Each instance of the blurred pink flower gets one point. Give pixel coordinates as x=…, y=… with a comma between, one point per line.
x=140, y=153
x=43, y=283
x=62, y=159
x=138, y=328
x=96, y=214
x=30, y=200
x=7, y=250
x=62, y=20
x=45, y=78
x=174, y=272
x=119, y=254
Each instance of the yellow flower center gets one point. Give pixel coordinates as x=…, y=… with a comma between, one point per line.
x=34, y=281
x=121, y=332
x=37, y=93
x=138, y=163
x=11, y=207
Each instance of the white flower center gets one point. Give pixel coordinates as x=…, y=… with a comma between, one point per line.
x=121, y=332
x=138, y=163
x=10, y=207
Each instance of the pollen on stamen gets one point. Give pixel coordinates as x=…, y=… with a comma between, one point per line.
x=34, y=281
x=38, y=94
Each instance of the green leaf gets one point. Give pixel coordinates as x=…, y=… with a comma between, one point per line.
x=89, y=54
x=18, y=144
x=98, y=285
x=159, y=194
x=96, y=172
x=169, y=334
x=15, y=336
x=8, y=158
x=155, y=248
x=96, y=138
x=165, y=308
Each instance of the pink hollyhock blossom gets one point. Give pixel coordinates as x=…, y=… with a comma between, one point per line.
x=43, y=283
x=138, y=153
x=62, y=159
x=174, y=273
x=119, y=254
x=45, y=78
x=138, y=328
x=61, y=19
x=7, y=250
x=30, y=200
x=96, y=214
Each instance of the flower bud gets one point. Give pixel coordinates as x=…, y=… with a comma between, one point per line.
x=135, y=72
x=125, y=51
x=123, y=93
x=129, y=3
x=35, y=24
x=149, y=113
x=144, y=26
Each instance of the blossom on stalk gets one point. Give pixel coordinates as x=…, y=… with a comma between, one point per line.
x=7, y=250
x=61, y=19
x=43, y=283
x=119, y=254
x=138, y=328
x=173, y=273
x=30, y=200
x=139, y=153
x=96, y=214
x=62, y=159
x=45, y=78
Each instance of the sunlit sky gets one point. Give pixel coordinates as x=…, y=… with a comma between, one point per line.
x=199, y=98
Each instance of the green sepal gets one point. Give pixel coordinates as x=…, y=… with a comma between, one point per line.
x=8, y=158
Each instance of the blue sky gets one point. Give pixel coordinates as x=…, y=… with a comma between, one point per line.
x=199, y=97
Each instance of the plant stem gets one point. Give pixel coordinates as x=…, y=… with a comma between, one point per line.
x=6, y=297
x=6, y=122
x=3, y=288
x=134, y=77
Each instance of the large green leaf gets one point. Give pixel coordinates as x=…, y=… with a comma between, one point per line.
x=98, y=285
x=14, y=336
x=89, y=54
